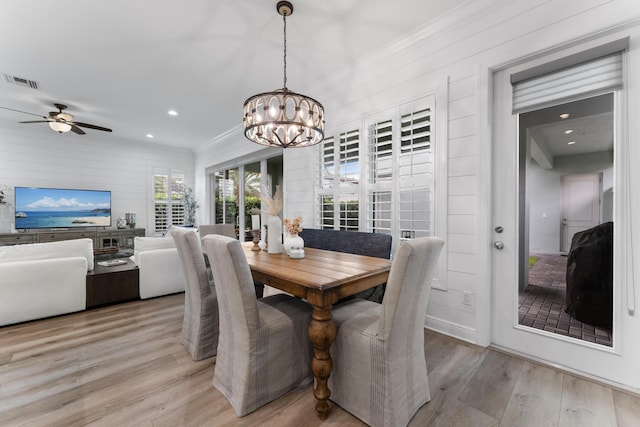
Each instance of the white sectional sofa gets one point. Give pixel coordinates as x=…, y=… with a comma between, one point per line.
x=158, y=264
x=43, y=279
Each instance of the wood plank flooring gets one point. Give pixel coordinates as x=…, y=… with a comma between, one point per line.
x=124, y=365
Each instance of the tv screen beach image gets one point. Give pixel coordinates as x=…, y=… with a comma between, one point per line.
x=60, y=208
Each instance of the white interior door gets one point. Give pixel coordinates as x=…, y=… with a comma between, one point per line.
x=508, y=255
x=581, y=195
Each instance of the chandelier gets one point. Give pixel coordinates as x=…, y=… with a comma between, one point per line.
x=282, y=118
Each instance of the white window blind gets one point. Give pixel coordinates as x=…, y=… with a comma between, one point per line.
x=349, y=211
x=415, y=175
x=395, y=179
x=568, y=84
x=339, y=184
x=328, y=163
x=381, y=152
x=326, y=212
x=349, y=166
x=381, y=211
x=168, y=190
x=161, y=195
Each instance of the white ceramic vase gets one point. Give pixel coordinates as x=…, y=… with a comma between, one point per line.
x=293, y=242
x=274, y=241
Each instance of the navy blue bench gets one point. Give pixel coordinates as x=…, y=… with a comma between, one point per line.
x=353, y=242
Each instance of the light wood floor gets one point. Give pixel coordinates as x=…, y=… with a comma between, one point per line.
x=123, y=365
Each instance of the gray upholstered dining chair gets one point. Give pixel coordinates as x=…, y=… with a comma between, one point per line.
x=228, y=230
x=200, y=322
x=379, y=370
x=264, y=350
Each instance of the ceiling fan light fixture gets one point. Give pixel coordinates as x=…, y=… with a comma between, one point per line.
x=283, y=118
x=60, y=127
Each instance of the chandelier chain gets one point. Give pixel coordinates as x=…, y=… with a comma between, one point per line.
x=284, y=18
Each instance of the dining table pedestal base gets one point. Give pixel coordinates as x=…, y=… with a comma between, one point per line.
x=322, y=333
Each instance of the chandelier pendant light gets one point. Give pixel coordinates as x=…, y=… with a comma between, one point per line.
x=282, y=118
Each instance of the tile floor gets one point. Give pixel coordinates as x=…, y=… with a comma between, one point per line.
x=543, y=302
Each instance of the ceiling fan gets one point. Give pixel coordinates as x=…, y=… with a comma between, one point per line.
x=62, y=122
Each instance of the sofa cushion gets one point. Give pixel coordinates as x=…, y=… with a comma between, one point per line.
x=141, y=244
x=63, y=249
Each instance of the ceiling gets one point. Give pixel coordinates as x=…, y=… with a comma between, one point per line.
x=123, y=64
x=587, y=129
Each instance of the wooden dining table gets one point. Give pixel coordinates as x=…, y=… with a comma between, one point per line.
x=321, y=278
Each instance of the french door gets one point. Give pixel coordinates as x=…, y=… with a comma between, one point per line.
x=511, y=226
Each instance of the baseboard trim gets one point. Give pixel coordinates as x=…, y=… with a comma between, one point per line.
x=455, y=330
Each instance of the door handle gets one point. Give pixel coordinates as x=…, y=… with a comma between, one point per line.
x=498, y=245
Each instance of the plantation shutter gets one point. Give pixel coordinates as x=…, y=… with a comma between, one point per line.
x=168, y=189
x=328, y=166
x=381, y=211
x=161, y=195
x=177, y=199
x=578, y=76
x=415, y=175
x=380, y=164
x=327, y=183
x=381, y=152
x=349, y=173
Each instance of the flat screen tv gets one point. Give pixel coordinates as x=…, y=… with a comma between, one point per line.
x=61, y=208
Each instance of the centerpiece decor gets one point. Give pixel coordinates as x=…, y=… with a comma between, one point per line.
x=272, y=207
x=293, y=243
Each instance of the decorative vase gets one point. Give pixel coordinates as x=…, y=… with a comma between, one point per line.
x=293, y=242
x=274, y=244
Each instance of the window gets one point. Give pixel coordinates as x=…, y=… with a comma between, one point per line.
x=236, y=191
x=168, y=189
x=226, y=196
x=396, y=179
x=340, y=181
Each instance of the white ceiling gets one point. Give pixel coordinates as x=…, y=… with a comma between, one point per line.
x=588, y=129
x=123, y=64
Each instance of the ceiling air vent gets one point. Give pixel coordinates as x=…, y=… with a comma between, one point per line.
x=19, y=81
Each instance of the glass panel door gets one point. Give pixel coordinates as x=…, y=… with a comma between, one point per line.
x=566, y=212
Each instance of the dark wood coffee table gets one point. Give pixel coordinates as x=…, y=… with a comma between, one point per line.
x=108, y=285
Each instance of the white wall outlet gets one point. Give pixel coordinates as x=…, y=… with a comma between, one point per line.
x=466, y=297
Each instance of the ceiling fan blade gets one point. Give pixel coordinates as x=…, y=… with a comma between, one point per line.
x=36, y=121
x=87, y=125
x=20, y=111
x=77, y=130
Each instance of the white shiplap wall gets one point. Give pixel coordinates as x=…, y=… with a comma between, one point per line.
x=455, y=57
x=41, y=158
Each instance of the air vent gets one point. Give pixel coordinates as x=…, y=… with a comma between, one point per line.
x=19, y=81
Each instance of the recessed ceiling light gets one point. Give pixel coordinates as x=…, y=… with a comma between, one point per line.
x=149, y=135
x=172, y=112
x=571, y=142
x=564, y=115
x=568, y=131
